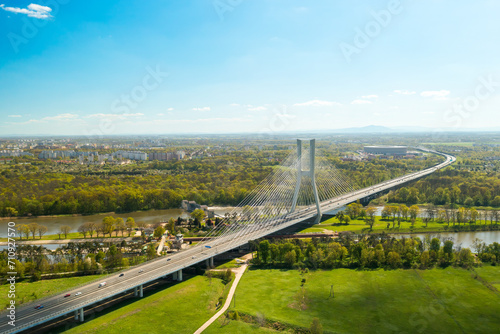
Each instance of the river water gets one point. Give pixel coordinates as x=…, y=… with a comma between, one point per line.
x=53, y=224
x=462, y=239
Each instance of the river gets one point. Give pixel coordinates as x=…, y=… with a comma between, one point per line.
x=462, y=239
x=54, y=223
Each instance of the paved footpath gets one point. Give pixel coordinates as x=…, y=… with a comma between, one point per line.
x=239, y=272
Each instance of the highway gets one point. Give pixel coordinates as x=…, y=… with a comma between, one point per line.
x=53, y=307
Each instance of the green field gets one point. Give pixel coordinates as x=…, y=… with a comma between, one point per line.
x=396, y=301
x=27, y=291
x=490, y=274
x=240, y=327
x=360, y=226
x=181, y=308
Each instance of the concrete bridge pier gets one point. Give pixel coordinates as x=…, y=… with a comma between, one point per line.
x=141, y=294
x=179, y=275
x=207, y=263
x=135, y=291
x=174, y=276
x=81, y=314
x=76, y=314
x=212, y=262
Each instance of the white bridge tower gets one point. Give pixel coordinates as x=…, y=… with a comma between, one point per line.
x=307, y=172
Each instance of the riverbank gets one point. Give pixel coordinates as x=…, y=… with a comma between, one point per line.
x=65, y=241
x=389, y=226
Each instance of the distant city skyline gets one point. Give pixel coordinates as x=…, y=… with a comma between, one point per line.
x=114, y=68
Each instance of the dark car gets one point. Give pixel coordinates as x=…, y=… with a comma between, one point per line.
x=67, y=295
x=37, y=307
x=121, y=275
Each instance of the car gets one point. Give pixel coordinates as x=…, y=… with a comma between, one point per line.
x=193, y=257
x=67, y=295
x=102, y=284
x=169, y=259
x=140, y=271
x=38, y=306
x=121, y=275
x=78, y=293
x=41, y=306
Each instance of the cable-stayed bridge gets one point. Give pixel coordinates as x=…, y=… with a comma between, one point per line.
x=301, y=188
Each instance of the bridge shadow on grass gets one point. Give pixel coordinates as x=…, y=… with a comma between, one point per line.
x=67, y=322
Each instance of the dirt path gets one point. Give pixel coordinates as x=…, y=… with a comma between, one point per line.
x=239, y=272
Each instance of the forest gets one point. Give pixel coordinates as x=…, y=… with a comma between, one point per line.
x=373, y=251
x=50, y=189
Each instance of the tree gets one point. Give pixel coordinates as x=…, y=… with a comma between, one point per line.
x=130, y=223
x=393, y=260
x=316, y=327
x=83, y=229
x=414, y=211
x=91, y=227
x=151, y=251
x=119, y=225
x=198, y=213
x=65, y=229
x=435, y=245
x=23, y=229
x=371, y=211
x=171, y=226
x=264, y=250
x=101, y=228
x=158, y=232
x=353, y=210
x=404, y=211
x=33, y=227
x=290, y=258
x=42, y=229
x=109, y=224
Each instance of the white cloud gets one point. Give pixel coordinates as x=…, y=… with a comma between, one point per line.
x=33, y=10
x=234, y=105
x=60, y=117
x=436, y=94
x=14, y=116
x=257, y=109
x=373, y=96
x=316, y=103
x=114, y=115
x=198, y=120
x=170, y=109
x=404, y=92
x=202, y=109
x=160, y=114
x=358, y=101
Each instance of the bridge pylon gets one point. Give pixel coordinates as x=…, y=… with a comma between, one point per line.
x=308, y=172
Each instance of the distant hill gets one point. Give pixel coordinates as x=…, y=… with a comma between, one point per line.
x=365, y=129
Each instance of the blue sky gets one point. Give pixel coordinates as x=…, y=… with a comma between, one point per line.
x=219, y=66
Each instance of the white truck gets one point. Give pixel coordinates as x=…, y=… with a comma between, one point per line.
x=102, y=284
